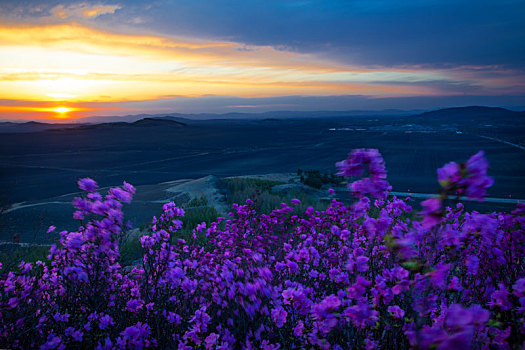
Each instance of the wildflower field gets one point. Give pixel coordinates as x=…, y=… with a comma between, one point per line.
x=361, y=275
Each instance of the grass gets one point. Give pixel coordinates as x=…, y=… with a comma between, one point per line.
x=130, y=251
x=241, y=189
x=12, y=254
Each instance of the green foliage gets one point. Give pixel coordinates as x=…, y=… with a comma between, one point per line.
x=195, y=216
x=261, y=190
x=239, y=184
x=316, y=179
x=130, y=251
x=12, y=254
x=239, y=189
x=197, y=202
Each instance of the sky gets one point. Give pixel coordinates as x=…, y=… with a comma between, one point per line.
x=70, y=59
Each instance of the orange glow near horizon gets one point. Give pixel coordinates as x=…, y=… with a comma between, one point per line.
x=48, y=112
x=76, y=64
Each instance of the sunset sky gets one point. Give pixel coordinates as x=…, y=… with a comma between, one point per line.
x=67, y=59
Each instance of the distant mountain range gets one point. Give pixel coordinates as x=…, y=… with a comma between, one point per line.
x=142, y=123
x=251, y=116
x=472, y=114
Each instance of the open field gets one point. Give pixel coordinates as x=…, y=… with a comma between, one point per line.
x=42, y=167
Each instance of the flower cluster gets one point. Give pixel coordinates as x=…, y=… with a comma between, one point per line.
x=360, y=276
x=469, y=179
x=367, y=161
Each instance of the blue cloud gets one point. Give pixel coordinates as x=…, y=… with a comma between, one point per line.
x=365, y=32
x=371, y=32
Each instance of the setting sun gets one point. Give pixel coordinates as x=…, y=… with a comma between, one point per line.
x=62, y=109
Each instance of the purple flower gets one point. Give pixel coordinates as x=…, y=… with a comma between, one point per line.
x=298, y=330
x=361, y=315
x=472, y=264
x=121, y=195
x=500, y=298
x=519, y=288
x=458, y=317
x=87, y=184
x=480, y=316
x=75, y=334
x=105, y=322
x=74, y=240
x=134, y=335
x=325, y=308
x=432, y=212
x=293, y=266
x=76, y=272
x=211, y=340
x=266, y=345
x=396, y=311
x=440, y=275
x=134, y=305
x=458, y=341
x=128, y=188
x=476, y=180
x=370, y=344
x=78, y=215
x=400, y=287
x=172, y=317
x=369, y=160
x=279, y=317
x=61, y=317
x=449, y=175
x=13, y=302
x=329, y=278
x=361, y=263
x=108, y=345
x=455, y=284
x=130, y=332
x=200, y=227
x=53, y=341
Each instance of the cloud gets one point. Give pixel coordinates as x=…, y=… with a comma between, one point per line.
x=73, y=59
x=364, y=32
x=82, y=10
x=357, y=32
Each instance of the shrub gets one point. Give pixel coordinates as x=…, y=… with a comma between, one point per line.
x=336, y=278
x=315, y=179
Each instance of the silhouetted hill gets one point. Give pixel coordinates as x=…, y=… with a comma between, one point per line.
x=93, y=126
x=153, y=122
x=9, y=127
x=143, y=123
x=472, y=113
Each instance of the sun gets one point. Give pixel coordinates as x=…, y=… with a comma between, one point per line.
x=62, y=110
